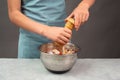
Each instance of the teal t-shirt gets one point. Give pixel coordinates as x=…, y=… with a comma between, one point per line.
x=49, y=12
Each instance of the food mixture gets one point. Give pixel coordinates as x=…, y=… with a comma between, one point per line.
x=66, y=49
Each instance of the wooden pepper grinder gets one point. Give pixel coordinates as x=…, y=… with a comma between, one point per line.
x=70, y=25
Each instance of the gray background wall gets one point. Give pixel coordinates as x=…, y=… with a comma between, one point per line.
x=99, y=37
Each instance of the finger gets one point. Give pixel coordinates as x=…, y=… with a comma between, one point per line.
x=64, y=38
x=86, y=17
x=61, y=41
x=68, y=31
x=67, y=36
x=77, y=21
x=78, y=26
x=83, y=18
x=70, y=16
x=80, y=19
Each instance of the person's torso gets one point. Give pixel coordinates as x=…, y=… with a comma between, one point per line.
x=49, y=12
x=45, y=11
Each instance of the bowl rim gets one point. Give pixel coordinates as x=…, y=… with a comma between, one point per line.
x=58, y=54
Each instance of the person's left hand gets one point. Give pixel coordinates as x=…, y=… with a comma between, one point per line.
x=80, y=14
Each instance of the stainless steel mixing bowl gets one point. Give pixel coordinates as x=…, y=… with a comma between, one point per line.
x=57, y=63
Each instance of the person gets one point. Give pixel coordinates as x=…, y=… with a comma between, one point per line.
x=42, y=21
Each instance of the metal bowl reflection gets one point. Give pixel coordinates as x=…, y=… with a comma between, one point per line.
x=57, y=63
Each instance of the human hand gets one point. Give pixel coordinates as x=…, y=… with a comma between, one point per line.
x=80, y=14
x=58, y=34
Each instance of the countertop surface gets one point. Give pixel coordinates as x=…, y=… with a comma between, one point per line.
x=84, y=69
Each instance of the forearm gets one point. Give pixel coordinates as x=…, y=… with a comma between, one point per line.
x=87, y=3
x=24, y=22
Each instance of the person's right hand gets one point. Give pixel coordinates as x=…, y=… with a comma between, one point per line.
x=58, y=34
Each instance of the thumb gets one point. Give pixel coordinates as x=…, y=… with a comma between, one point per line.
x=70, y=16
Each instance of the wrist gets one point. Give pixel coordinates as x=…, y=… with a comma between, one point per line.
x=40, y=29
x=84, y=4
x=43, y=30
